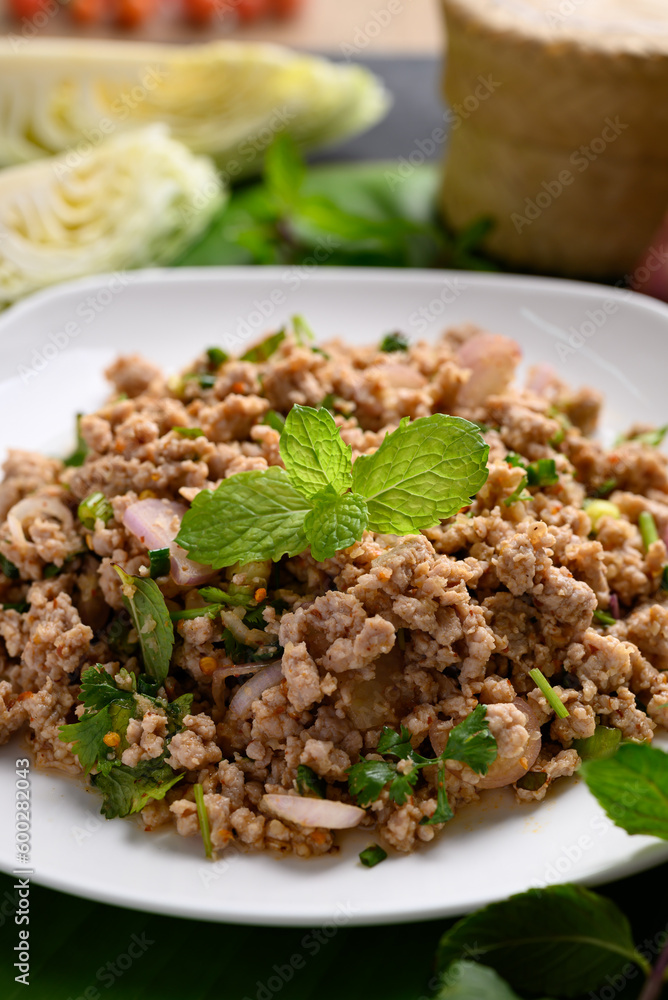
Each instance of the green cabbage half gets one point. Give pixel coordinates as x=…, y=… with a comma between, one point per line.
x=225, y=99
x=134, y=200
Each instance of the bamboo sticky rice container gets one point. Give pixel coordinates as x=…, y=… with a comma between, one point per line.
x=559, y=118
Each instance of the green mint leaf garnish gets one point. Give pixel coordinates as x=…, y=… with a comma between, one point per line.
x=314, y=453
x=604, y=743
x=632, y=787
x=189, y=432
x=553, y=698
x=394, y=342
x=126, y=790
x=575, y=938
x=78, y=456
x=251, y=516
x=94, y=508
x=309, y=782
x=372, y=856
x=159, y=561
x=334, y=523
x=146, y=605
x=203, y=817
x=274, y=420
x=423, y=472
x=264, y=350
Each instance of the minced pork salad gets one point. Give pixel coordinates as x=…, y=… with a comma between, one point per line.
x=317, y=588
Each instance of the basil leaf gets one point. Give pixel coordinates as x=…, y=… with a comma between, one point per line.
x=250, y=517
x=632, y=787
x=150, y=617
x=313, y=451
x=424, y=471
x=563, y=934
x=334, y=523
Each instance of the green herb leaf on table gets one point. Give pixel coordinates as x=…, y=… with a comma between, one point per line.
x=334, y=522
x=314, y=453
x=251, y=516
x=424, y=471
x=127, y=790
x=146, y=605
x=632, y=787
x=574, y=937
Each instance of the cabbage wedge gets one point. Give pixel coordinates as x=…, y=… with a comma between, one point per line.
x=225, y=99
x=135, y=200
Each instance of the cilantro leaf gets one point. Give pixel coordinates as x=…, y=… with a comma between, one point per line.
x=314, y=453
x=146, y=605
x=127, y=790
x=443, y=813
x=251, y=516
x=98, y=688
x=424, y=471
x=401, y=786
x=334, y=523
x=575, y=938
x=632, y=787
x=471, y=742
x=309, y=781
x=87, y=736
x=368, y=778
x=398, y=744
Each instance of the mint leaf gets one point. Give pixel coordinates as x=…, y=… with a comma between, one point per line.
x=563, y=935
x=471, y=742
x=632, y=787
x=127, y=790
x=313, y=451
x=146, y=605
x=424, y=471
x=470, y=981
x=604, y=743
x=334, y=523
x=251, y=516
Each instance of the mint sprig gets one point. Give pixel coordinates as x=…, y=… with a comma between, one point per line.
x=425, y=471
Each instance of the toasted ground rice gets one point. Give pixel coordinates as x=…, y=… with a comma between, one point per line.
x=413, y=631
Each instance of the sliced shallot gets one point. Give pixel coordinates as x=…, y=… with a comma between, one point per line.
x=492, y=360
x=29, y=509
x=313, y=812
x=270, y=675
x=156, y=523
x=507, y=770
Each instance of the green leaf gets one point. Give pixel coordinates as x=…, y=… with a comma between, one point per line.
x=284, y=169
x=334, y=523
x=394, y=342
x=471, y=742
x=146, y=605
x=471, y=981
x=563, y=935
x=543, y=472
x=443, y=813
x=218, y=596
x=397, y=744
x=159, y=562
x=309, y=781
x=604, y=743
x=98, y=688
x=86, y=735
x=78, y=456
x=424, y=471
x=203, y=817
x=632, y=787
x=127, y=790
x=217, y=356
x=251, y=516
x=314, y=453
x=368, y=778
x=401, y=786
x=8, y=568
x=189, y=432
x=264, y=350
x=274, y=420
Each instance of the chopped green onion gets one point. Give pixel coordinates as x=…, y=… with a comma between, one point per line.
x=160, y=562
x=203, y=818
x=189, y=432
x=372, y=856
x=394, y=342
x=319, y=350
x=647, y=526
x=603, y=743
x=217, y=356
x=8, y=568
x=597, y=509
x=532, y=781
x=302, y=331
x=206, y=379
x=604, y=618
x=78, y=456
x=309, y=781
x=553, y=698
x=605, y=488
x=265, y=349
x=94, y=508
x=274, y=420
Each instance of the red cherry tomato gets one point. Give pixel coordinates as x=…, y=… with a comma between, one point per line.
x=26, y=8
x=130, y=13
x=203, y=11
x=87, y=11
x=250, y=10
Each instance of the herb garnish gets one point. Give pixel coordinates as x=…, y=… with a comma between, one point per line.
x=553, y=698
x=394, y=342
x=189, y=432
x=264, y=350
x=604, y=618
x=217, y=356
x=424, y=471
x=632, y=787
x=159, y=561
x=8, y=568
x=470, y=742
x=603, y=743
x=274, y=420
x=94, y=507
x=543, y=472
x=203, y=817
x=309, y=781
x=372, y=856
x=78, y=456
x=653, y=439
x=150, y=617
x=647, y=528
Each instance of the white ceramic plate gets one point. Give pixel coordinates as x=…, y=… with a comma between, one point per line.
x=53, y=348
